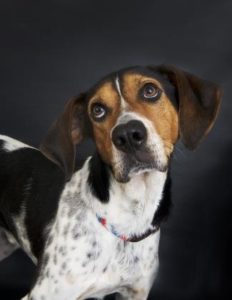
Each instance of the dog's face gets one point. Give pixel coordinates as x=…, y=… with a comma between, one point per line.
x=135, y=117
x=134, y=121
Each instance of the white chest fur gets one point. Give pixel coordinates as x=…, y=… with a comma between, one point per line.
x=132, y=205
x=83, y=259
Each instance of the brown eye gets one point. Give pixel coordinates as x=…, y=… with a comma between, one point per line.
x=150, y=92
x=98, y=111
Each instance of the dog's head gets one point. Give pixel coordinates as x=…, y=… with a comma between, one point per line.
x=135, y=116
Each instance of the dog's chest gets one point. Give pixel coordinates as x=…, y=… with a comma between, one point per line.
x=86, y=260
x=82, y=259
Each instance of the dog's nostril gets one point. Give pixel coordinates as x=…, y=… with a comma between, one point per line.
x=121, y=140
x=137, y=137
x=119, y=137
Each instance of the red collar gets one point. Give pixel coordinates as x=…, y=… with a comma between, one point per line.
x=133, y=238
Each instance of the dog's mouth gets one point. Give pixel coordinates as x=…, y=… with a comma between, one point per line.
x=136, y=163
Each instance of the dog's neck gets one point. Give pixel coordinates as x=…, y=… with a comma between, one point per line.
x=130, y=207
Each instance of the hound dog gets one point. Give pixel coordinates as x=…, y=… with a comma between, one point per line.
x=95, y=231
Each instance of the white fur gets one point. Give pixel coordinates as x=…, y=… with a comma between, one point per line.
x=7, y=244
x=11, y=144
x=81, y=258
x=19, y=222
x=128, y=266
x=124, y=104
x=133, y=203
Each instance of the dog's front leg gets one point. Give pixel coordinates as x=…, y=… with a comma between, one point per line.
x=139, y=290
x=133, y=294
x=57, y=289
x=27, y=297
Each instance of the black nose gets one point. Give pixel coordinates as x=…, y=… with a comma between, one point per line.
x=130, y=136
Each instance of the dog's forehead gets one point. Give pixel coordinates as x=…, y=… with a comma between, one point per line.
x=130, y=76
x=142, y=72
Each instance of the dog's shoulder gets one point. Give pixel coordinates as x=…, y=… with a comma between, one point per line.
x=12, y=157
x=20, y=162
x=30, y=188
x=15, y=154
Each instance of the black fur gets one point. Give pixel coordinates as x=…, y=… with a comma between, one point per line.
x=163, y=210
x=29, y=181
x=1, y=146
x=99, y=178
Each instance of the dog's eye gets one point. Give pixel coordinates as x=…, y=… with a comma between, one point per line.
x=150, y=92
x=98, y=111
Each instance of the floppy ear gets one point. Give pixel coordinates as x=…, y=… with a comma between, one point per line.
x=198, y=104
x=68, y=130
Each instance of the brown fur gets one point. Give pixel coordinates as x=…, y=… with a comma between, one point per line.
x=198, y=103
x=161, y=113
x=107, y=95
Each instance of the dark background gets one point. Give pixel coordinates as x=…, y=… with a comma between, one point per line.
x=51, y=50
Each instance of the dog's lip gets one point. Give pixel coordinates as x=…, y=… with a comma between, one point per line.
x=138, y=162
x=139, y=169
x=145, y=161
x=141, y=157
x=143, y=168
x=134, y=172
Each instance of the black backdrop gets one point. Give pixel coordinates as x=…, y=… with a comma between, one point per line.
x=51, y=50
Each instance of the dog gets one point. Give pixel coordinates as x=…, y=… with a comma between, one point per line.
x=95, y=231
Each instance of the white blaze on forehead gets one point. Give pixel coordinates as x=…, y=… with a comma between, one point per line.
x=123, y=102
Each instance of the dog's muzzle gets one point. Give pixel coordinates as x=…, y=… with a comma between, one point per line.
x=130, y=139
